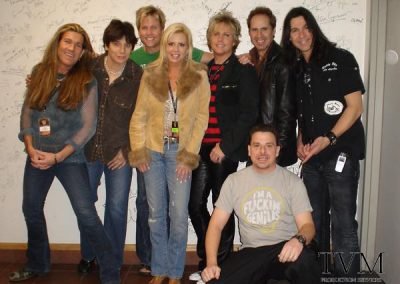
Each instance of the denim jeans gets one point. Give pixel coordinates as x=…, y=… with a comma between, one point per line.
x=209, y=177
x=143, y=243
x=74, y=179
x=167, y=197
x=333, y=196
x=118, y=184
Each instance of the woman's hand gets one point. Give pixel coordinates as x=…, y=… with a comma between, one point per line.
x=143, y=167
x=117, y=162
x=183, y=173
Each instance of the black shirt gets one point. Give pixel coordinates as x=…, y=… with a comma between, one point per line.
x=321, y=89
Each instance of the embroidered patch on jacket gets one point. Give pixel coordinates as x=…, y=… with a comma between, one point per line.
x=330, y=67
x=333, y=107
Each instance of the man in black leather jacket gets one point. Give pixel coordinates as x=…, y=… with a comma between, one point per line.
x=277, y=96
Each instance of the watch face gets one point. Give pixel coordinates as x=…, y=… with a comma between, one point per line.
x=332, y=138
x=301, y=239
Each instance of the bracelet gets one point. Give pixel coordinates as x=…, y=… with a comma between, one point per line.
x=55, y=160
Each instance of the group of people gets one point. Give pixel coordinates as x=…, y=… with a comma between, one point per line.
x=185, y=127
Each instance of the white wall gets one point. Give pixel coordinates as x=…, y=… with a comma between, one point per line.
x=27, y=25
x=388, y=229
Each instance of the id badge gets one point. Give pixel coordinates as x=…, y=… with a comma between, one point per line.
x=44, y=126
x=341, y=161
x=175, y=129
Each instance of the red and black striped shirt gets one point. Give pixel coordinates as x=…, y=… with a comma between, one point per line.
x=213, y=132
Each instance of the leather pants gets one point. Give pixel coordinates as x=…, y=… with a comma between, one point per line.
x=209, y=177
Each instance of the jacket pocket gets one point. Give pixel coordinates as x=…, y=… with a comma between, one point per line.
x=229, y=94
x=123, y=101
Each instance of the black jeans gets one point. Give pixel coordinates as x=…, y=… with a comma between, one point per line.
x=333, y=197
x=209, y=177
x=257, y=265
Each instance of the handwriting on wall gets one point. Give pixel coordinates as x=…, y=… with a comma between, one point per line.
x=27, y=25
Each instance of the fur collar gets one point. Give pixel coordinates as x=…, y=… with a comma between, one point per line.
x=156, y=80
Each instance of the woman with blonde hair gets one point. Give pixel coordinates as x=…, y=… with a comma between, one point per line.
x=58, y=117
x=166, y=130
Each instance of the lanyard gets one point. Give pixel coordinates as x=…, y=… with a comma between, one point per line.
x=174, y=102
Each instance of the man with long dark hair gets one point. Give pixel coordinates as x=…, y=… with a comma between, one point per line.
x=331, y=136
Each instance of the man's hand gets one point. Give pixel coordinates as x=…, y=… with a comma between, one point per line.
x=216, y=154
x=28, y=80
x=210, y=272
x=290, y=251
x=302, y=150
x=43, y=160
x=117, y=162
x=317, y=146
x=244, y=59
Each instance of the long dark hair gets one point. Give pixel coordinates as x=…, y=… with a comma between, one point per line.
x=321, y=44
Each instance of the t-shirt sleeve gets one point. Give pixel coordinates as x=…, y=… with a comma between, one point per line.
x=197, y=54
x=300, y=202
x=225, y=199
x=350, y=74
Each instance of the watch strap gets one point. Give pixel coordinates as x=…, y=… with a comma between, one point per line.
x=301, y=239
x=332, y=138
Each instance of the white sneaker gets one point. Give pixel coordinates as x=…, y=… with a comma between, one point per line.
x=195, y=276
x=200, y=282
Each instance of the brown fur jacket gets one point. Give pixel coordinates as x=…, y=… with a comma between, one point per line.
x=146, y=129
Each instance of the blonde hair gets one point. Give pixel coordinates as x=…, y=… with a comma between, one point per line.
x=169, y=31
x=227, y=18
x=44, y=75
x=150, y=11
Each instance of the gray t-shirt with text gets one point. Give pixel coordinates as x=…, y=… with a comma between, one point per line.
x=265, y=204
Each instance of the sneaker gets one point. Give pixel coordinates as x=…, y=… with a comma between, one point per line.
x=85, y=266
x=145, y=270
x=195, y=276
x=22, y=275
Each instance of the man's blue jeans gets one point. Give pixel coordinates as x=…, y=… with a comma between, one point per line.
x=167, y=197
x=74, y=179
x=143, y=243
x=118, y=184
x=333, y=197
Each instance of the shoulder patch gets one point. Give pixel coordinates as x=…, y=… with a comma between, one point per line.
x=333, y=107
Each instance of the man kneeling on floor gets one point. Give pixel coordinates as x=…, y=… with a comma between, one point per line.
x=275, y=221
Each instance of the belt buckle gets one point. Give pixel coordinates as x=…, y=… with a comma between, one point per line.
x=170, y=140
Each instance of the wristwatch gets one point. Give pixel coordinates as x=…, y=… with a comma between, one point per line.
x=301, y=239
x=332, y=138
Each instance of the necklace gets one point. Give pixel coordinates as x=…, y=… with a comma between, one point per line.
x=60, y=78
x=111, y=72
x=216, y=68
